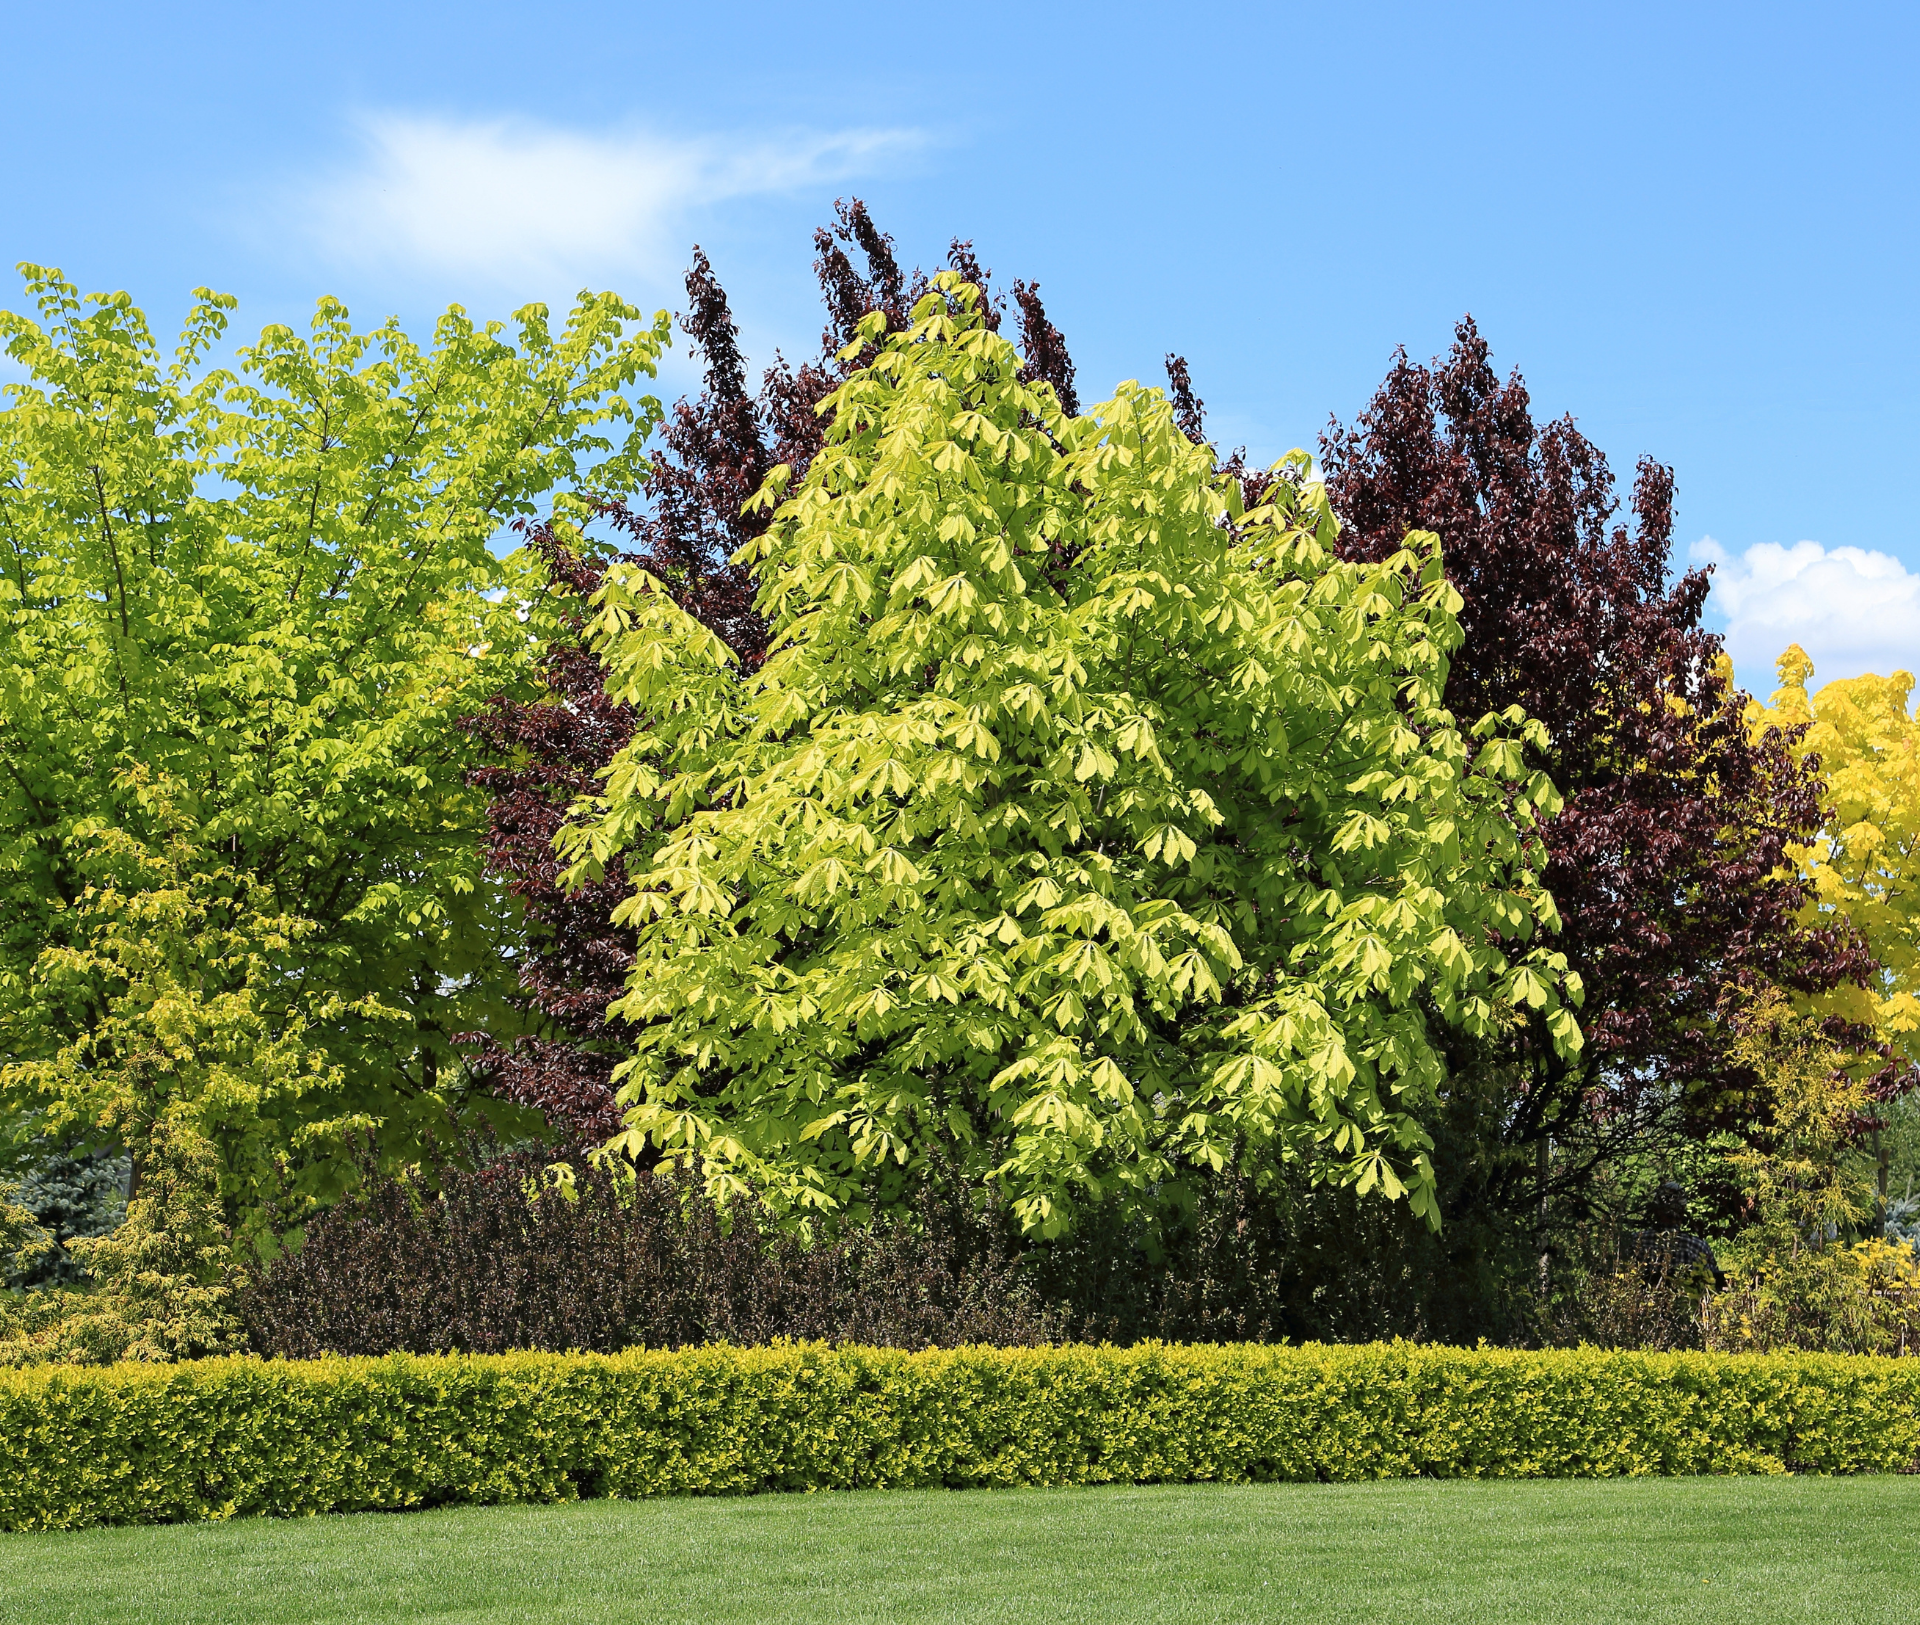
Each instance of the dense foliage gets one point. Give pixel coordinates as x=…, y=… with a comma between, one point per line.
x=226, y=1438
x=241, y=612
x=1082, y=833
x=714, y=452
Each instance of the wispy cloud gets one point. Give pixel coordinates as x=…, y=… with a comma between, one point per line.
x=516, y=202
x=1853, y=610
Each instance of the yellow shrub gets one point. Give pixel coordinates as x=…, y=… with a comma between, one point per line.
x=163, y=1283
x=1863, y=1299
x=227, y=1437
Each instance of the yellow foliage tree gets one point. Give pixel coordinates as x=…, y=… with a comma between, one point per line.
x=1866, y=864
x=164, y=1285
x=1794, y=1280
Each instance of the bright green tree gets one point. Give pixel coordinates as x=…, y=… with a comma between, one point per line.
x=1081, y=834
x=242, y=612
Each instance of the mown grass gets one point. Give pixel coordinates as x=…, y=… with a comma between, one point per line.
x=1673, y=1549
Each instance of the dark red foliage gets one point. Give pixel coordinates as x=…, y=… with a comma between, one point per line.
x=476, y=1266
x=576, y=959
x=715, y=451
x=1666, y=858
x=1189, y=411
x=961, y=258
x=716, y=454
x=850, y=297
x=1045, y=350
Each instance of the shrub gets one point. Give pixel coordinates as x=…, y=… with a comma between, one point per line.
x=489, y=1260
x=73, y=1195
x=1641, y=1289
x=1794, y=1282
x=229, y=1437
x=163, y=1283
x=1863, y=1299
x=499, y=1259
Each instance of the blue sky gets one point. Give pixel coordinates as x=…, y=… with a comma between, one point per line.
x=1692, y=226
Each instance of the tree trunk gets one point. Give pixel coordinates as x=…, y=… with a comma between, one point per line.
x=1543, y=1162
x=1883, y=1161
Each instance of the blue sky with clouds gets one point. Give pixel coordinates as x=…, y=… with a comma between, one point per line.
x=1692, y=226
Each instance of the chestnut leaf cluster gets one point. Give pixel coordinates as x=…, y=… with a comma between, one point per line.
x=1084, y=831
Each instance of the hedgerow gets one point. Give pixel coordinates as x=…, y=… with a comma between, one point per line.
x=231, y=1437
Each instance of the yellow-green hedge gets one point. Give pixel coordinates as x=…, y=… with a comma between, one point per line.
x=223, y=1438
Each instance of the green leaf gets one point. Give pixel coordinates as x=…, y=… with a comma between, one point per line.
x=1092, y=875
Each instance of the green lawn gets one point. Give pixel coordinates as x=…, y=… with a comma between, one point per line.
x=1671, y=1549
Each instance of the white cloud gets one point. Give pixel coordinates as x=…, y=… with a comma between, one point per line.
x=1851, y=609
x=513, y=201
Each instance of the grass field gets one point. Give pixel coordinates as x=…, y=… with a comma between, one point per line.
x=1569, y=1552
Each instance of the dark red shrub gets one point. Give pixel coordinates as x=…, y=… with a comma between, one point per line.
x=495, y=1258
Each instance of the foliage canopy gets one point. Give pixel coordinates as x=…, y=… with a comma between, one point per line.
x=1080, y=832
x=241, y=611
x=1864, y=862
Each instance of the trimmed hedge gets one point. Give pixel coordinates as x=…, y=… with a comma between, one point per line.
x=230, y=1437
